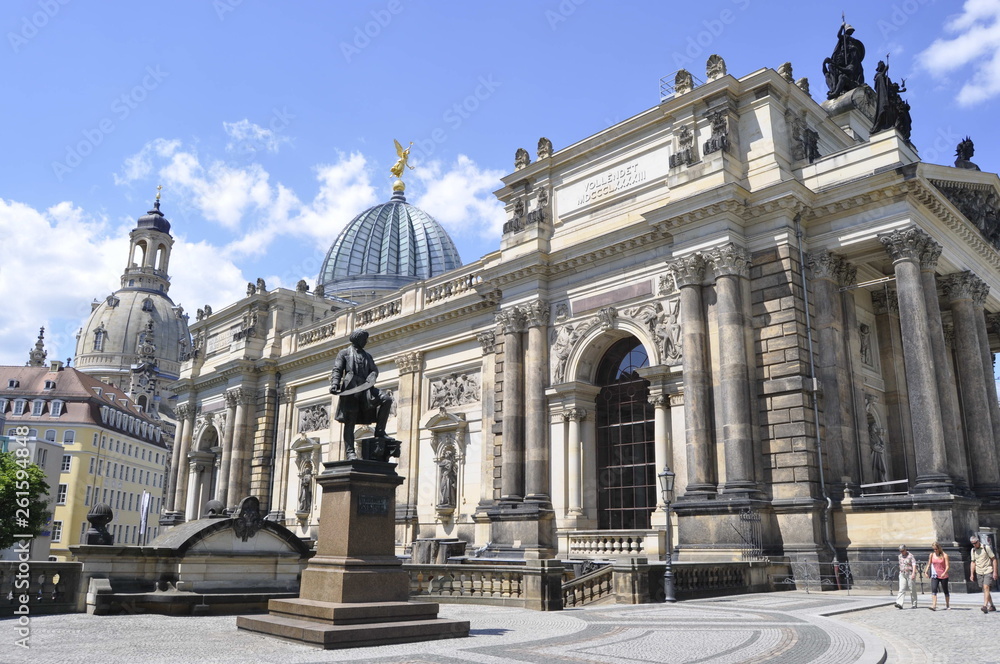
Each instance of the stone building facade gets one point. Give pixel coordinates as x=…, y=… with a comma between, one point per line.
x=739, y=283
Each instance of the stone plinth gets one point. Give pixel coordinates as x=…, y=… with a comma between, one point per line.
x=354, y=592
x=522, y=529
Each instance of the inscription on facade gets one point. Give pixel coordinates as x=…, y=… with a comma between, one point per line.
x=373, y=505
x=611, y=181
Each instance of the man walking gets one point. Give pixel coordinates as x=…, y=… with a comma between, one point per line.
x=907, y=577
x=984, y=571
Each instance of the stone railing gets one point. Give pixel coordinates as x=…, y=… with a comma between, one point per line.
x=378, y=313
x=534, y=586
x=589, y=588
x=44, y=595
x=605, y=543
x=452, y=288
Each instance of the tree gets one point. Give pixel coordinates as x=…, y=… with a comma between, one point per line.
x=24, y=497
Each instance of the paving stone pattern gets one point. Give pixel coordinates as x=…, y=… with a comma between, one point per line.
x=779, y=628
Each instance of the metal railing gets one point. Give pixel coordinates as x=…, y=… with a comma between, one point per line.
x=848, y=575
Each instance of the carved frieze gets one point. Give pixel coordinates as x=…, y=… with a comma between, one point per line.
x=314, y=418
x=978, y=204
x=803, y=141
x=455, y=389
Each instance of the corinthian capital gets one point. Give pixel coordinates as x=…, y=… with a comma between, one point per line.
x=905, y=244
x=488, y=341
x=828, y=265
x=930, y=255
x=962, y=286
x=511, y=320
x=729, y=260
x=536, y=313
x=687, y=270
x=408, y=363
x=885, y=302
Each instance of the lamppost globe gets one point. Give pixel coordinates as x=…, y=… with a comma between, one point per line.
x=666, y=478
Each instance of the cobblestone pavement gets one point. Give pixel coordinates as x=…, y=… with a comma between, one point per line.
x=779, y=628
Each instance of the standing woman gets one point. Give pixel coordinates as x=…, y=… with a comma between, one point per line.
x=938, y=565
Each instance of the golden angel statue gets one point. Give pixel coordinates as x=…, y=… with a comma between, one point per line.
x=397, y=168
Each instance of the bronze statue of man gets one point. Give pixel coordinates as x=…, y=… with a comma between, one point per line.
x=353, y=378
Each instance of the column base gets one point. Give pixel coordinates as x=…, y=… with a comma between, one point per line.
x=934, y=484
x=524, y=529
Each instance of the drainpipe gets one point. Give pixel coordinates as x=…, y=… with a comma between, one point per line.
x=825, y=514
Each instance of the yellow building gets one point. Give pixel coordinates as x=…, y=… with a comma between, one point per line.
x=112, y=451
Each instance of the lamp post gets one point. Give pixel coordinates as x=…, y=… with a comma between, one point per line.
x=666, y=478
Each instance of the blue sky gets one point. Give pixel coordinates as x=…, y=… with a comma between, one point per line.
x=270, y=125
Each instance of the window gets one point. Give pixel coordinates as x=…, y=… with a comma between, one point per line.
x=56, y=409
x=104, y=499
x=19, y=407
x=130, y=502
x=133, y=474
x=32, y=433
x=61, y=496
x=83, y=531
x=100, y=467
x=50, y=385
x=99, y=336
x=93, y=462
x=11, y=384
x=57, y=531
x=95, y=440
x=69, y=437
x=86, y=498
x=37, y=407
x=41, y=456
x=144, y=455
x=50, y=435
x=3, y=405
x=67, y=463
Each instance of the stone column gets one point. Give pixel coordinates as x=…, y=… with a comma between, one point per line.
x=829, y=271
x=661, y=437
x=487, y=341
x=537, y=480
x=409, y=366
x=512, y=322
x=979, y=300
x=182, y=410
x=187, y=418
x=731, y=263
x=905, y=248
x=574, y=447
x=946, y=387
x=194, y=470
x=222, y=490
x=239, y=480
x=961, y=289
x=689, y=272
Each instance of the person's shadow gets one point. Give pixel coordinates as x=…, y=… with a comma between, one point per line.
x=494, y=631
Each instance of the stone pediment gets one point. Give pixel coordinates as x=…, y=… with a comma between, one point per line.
x=979, y=202
x=218, y=537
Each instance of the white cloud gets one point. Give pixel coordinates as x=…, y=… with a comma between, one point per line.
x=249, y=138
x=139, y=165
x=461, y=198
x=58, y=260
x=974, y=40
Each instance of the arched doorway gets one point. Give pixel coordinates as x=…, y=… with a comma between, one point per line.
x=626, y=469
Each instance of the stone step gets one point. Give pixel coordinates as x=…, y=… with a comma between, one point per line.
x=330, y=637
x=341, y=613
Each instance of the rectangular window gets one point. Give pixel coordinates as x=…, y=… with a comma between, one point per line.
x=100, y=467
x=69, y=437
x=42, y=456
x=67, y=463
x=133, y=474
x=56, y=409
x=105, y=498
x=130, y=502
x=36, y=407
x=93, y=461
x=86, y=499
x=19, y=407
x=57, y=531
x=95, y=440
x=127, y=529
x=83, y=531
x=61, y=495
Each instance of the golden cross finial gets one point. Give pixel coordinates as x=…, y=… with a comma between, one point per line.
x=158, y=188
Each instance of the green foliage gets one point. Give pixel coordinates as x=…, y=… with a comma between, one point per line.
x=24, y=494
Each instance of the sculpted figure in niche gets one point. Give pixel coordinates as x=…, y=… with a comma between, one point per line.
x=843, y=69
x=562, y=345
x=877, y=443
x=305, y=485
x=447, y=476
x=360, y=402
x=866, y=344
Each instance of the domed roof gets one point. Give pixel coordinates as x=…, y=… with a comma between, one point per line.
x=385, y=248
x=121, y=319
x=154, y=219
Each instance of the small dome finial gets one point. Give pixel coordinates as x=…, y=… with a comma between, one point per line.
x=156, y=203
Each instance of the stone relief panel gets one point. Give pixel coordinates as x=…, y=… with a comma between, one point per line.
x=314, y=418
x=455, y=389
x=663, y=321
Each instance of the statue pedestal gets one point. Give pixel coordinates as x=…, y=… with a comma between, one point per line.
x=354, y=591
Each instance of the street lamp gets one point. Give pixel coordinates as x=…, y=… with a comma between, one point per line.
x=666, y=478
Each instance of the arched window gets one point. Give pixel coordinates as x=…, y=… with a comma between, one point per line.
x=625, y=465
x=99, y=336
